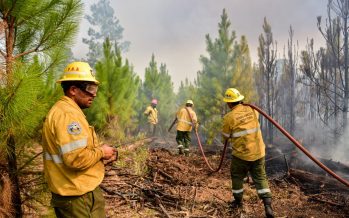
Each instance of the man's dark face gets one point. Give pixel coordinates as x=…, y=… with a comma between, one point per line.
x=230, y=105
x=84, y=94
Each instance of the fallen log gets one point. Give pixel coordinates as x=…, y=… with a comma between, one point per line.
x=317, y=181
x=326, y=201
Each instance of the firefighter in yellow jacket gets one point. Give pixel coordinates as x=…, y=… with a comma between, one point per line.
x=241, y=126
x=73, y=157
x=186, y=120
x=152, y=114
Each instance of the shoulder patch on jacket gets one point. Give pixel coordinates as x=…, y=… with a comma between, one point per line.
x=74, y=128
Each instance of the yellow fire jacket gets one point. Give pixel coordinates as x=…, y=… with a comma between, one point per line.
x=152, y=114
x=72, y=156
x=184, y=123
x=241, y=125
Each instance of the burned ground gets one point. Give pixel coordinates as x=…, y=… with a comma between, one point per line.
x=178, y=186
x=151, y=180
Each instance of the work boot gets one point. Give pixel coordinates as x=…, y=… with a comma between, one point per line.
x=236, y=204
x=186, y=152
x=180, y=151
x=236, y=208
x=267, y=207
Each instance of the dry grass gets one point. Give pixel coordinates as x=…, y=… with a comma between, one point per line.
x=135, y=161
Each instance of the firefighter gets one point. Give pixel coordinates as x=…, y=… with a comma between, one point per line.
x=152, y=113
x=186, y=120
x=73, y=157
x=241, y=126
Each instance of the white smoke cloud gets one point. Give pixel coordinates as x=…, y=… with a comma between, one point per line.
x=320, y=142
x=341, y=151
x=175, y=30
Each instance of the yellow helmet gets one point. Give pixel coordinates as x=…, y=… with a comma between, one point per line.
x=232, y=95
x=78, y=71
x=190, y=102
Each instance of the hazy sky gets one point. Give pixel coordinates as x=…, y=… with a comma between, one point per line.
x=174, y=30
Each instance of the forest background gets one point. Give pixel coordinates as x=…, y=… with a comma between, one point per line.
x=305, y=89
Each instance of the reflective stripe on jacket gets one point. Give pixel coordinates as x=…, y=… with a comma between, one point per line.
x=72, y=156
x=184, y=122
x=152, y=114
x=242, y=126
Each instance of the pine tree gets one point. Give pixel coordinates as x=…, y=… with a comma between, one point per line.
x=36, y=35
x=186, y=91
x=228, y=65
x=158, y=84
x=106, y=26
x=167, y=98
x=151, y=79
x=243, y=74
x=216, y=76
x=114, y=107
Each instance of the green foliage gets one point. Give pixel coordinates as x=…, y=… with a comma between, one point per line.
x=134, y=160
x=42, y=25
x=53, y=64
x=186, y=91
x=216, y=74
x=158, y=84
x=228, y=65
x=21, y=110
x=38, y=35
x=107, y=25
x=166, y=99
x=42, y=31
x=243, y=74
x=114, y=107
x=152, y=80
x=140, y=157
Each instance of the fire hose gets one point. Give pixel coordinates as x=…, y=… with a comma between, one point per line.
x=303, y=149
x=295, y=142
x=203, y=153
x=202, y=150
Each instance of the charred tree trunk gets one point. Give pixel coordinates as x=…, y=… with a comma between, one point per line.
x=292, y=73
x=269, y=106
x=346, y=76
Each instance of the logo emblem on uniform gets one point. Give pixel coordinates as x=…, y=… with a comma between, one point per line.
x=74, y=128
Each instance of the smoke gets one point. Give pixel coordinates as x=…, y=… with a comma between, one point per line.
x=341, y=151
x=320, y=141
x=316, y=138
x=312, y=134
